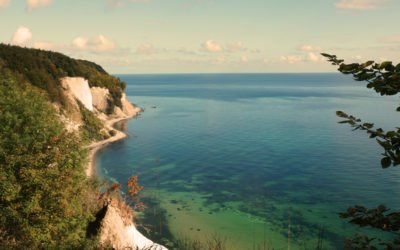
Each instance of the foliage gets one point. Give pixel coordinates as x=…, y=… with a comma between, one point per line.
x=92, y=126
x=43, y=69
x=42, y=180
x=389, y=141
x=384, y=78
x=133, y=186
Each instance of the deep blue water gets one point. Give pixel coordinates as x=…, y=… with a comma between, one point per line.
x=248, y=156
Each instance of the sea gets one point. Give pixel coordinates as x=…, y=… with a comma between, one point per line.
x=256, y=161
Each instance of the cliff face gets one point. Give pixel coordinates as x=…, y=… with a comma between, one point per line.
x=120, y=233
x=96, y=99
x=79, y=87
x=116, y=227
x=43, y=86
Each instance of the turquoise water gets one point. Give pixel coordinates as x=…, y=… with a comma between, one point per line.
x=258, y=159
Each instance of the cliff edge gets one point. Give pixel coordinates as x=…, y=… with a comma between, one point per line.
x=115, y=228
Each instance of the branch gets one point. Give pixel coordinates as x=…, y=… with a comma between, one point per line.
x=389, y=141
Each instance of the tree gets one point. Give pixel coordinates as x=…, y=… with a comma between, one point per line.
x=42, y=181
x=384, y=78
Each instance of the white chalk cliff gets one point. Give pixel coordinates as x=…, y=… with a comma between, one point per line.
x=79, y=87
x=114, y=230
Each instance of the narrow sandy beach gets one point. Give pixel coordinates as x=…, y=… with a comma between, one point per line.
x=96, y=146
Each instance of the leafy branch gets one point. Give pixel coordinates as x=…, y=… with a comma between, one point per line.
x=384, y=78
x=389, y=141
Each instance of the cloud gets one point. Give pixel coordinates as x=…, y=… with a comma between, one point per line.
x=99, y=43
x=313, y=57
x=310, y=56
x=22, y=36
x=211, y=46
x=359, y=5
x=244, y=59
x=291, y=59
x=33, y=4
x=4, y=3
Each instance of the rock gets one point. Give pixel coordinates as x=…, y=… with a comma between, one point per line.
x=101, y=98
x=128, y=108
x=120, y=233
x=79, y=87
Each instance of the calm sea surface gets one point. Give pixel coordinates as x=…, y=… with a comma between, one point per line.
x=258, y=159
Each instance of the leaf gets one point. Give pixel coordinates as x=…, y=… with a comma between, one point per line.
x=341, y=114
x=385, y=65
x=327, y=55
x=386, y=162
x=384, y=144
x=391, y=134
x=398, y=67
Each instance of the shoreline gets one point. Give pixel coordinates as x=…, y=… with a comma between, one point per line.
x=94, y=147
x=133, y=238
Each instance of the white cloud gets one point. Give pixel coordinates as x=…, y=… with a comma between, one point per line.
x=99, y=43
x=22, y=36
x=359, y=5
x=291, y=59
x=80, y=42
x=4, y=3
x=33, y=4
x=244, y=59
x=313, y=57
x=211, y=46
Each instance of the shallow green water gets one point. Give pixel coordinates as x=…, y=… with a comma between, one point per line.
x=258, y=159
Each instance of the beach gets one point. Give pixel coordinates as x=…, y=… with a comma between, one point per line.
x=94, y=147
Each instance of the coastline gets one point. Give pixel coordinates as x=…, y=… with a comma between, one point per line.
x=123, y=235
x=94, y=147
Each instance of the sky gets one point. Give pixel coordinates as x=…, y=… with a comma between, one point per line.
x=206, y=36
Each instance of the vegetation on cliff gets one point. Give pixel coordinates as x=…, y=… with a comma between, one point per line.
x=43, y=69
x=42, y=182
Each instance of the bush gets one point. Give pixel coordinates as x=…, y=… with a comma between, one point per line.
x=42, y=179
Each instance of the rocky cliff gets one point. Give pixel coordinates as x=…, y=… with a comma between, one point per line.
x=116, y=227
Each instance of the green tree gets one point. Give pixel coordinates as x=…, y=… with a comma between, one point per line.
x=384, y=78
x=44, y=69
x=42, y=180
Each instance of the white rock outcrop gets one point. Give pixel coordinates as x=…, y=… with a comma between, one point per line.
x=79, y=87
x=114, y=232
x=101, y=97
x=128, y=108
